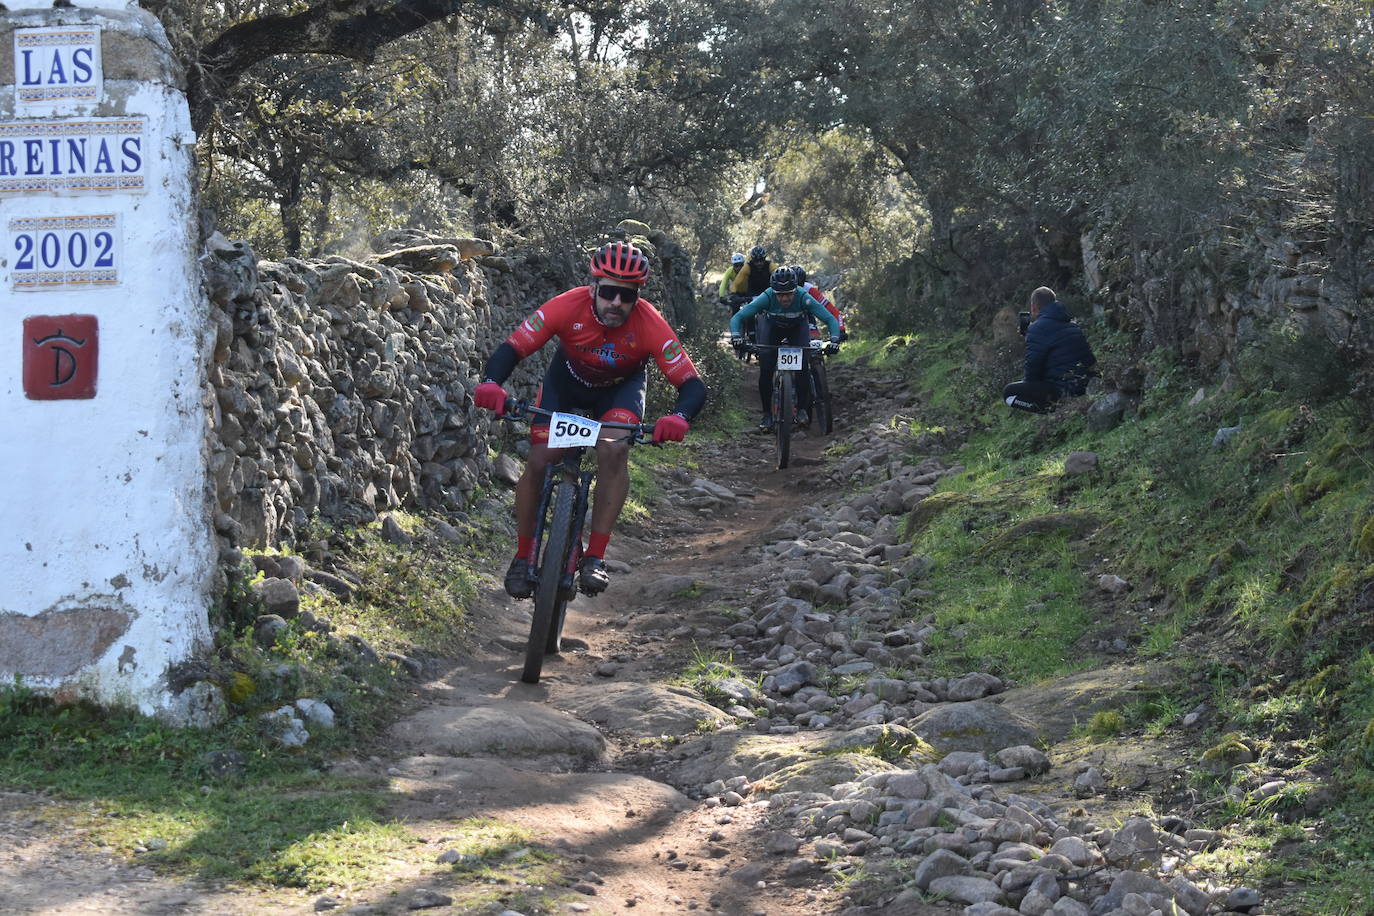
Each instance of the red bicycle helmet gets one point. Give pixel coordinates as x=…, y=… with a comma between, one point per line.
x=620, y=261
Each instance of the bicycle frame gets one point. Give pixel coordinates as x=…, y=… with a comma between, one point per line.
x=784, y=396
x=562, y=513
x=569, y=468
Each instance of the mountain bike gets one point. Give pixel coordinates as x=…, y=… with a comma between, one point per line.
x=562, y=515
x=791, y=360
x=822, y=408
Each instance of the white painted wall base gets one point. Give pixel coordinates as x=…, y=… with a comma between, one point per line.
x=105, y=535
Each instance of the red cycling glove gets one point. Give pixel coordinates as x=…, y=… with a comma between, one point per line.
x=491, y=396
x=671, y=428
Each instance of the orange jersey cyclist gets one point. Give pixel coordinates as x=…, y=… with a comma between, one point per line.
x=607, y=335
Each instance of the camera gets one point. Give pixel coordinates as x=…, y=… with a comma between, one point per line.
x=1023, y=320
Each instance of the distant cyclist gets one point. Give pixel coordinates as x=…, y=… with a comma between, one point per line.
x=606, y=336
x=782, y=320
x=819, y=295
x=752, y=278
x=736, y=262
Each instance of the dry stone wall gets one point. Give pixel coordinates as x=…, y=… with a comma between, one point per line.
x=1226, y=292
x=341, y=388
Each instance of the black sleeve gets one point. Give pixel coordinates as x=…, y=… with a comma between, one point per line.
x=691, y=397
x=501, y=363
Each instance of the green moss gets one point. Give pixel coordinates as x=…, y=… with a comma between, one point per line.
x=1231, y=750
x=1274, y=423
x=1318, y=684
x=1328, y=597
x=1069, y=524
x=1271, y=502
x=238, y=687
x=1318, y=481
x=1106, y=724
x=931, y=508
x=1340, y=451
x=1364, y=541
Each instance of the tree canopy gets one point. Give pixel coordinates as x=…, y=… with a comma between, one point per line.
x=973, y=143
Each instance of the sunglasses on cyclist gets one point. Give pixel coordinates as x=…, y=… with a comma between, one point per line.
x=612, y=293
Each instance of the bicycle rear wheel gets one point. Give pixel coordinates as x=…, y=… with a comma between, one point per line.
x=548, y=606
x=821, y=410
x=783, y=416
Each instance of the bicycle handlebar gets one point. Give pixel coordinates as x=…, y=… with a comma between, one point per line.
x=816, y=346
x=640, y=433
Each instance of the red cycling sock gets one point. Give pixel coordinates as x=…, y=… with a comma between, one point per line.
x=524, y=546
x=596, y=544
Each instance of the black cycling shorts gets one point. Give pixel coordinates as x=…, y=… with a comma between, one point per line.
x=561, y=391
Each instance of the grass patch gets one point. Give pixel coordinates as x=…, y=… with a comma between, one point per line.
x=1017, y=614
x=706, y=670
x=155, y=793
x=1259, y=551
x=230, y=803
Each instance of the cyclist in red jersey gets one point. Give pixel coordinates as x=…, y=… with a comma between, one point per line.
x=607, y=335
x=819, y=295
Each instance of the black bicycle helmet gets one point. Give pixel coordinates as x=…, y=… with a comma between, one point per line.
x=799, y=272
x=757, y=253
x=783, y=280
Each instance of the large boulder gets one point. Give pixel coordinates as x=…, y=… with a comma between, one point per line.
x=974, y=726
x=644, y=710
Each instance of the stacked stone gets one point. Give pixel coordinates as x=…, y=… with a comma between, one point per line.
x=342, y=388
x=1209, y=312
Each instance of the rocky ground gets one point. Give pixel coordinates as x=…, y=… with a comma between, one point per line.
x=827, y=772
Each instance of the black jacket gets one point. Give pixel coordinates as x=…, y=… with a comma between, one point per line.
x=1057, y=352
x=760, y=272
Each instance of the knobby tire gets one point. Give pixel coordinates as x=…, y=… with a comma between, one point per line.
x=554, y=643
x=782, y=406
x=547, y=610
x=820, y=397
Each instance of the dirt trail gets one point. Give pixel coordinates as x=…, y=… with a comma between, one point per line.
x=603, y=800
x=650, y=848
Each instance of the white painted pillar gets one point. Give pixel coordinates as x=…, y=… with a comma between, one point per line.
x=106, y=548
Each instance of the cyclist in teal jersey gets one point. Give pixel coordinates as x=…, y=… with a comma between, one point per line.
x=782, y=317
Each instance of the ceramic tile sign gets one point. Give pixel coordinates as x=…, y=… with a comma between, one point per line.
x=60, y=357
x=74, y=156
x=57, y=69
x=61, y=252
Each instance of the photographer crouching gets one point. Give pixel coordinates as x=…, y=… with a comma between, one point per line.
x=1059, y=361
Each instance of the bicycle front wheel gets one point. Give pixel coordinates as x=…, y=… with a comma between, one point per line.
x=547, y=601
x=783, y=416
x=822, y=413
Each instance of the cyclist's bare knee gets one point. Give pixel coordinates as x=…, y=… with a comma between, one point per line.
x=612, y=456
x=540, y=457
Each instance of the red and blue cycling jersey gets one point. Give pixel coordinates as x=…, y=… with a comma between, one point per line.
x=597, y=355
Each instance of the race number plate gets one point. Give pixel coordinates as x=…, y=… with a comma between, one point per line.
x=789, y=358
x=568, y=430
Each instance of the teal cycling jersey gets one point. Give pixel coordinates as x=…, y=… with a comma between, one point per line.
x=768, y=303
